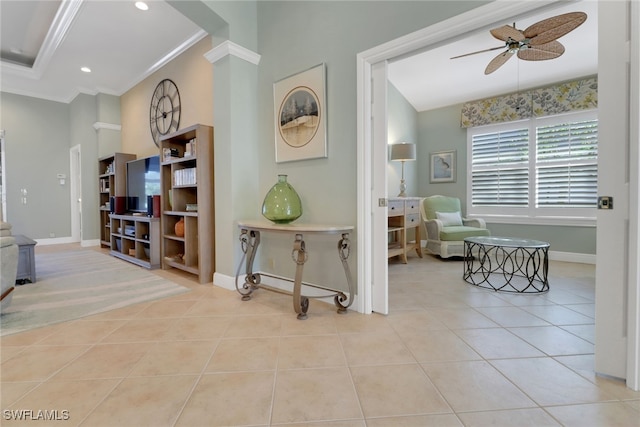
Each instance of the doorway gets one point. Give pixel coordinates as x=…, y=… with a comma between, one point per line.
x=372, y=287
x=75, y=190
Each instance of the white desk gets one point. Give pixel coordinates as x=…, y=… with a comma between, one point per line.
x=250, y=240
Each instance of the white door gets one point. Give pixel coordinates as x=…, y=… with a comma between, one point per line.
x=380, y=276
x=75, y=160
x=3, y=179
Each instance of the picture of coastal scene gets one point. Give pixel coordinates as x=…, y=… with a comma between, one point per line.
x=299, y=117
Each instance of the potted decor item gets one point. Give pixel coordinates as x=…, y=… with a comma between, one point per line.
x=180, y=228
x=282, y=204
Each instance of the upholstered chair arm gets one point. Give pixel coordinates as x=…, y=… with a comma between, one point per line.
x=434, y=227
x=474, y=222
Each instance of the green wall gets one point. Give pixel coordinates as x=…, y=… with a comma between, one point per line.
x=402, y=126
x=39, y=135
x=295, y=36
x=37, y=149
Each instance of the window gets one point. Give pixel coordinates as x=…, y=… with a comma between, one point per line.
x=539, y=170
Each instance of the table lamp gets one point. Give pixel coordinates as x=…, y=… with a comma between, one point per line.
x=402, y=152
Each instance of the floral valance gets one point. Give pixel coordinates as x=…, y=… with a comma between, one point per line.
x=560, y=98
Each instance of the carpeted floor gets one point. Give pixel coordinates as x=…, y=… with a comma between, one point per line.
x=77, y=283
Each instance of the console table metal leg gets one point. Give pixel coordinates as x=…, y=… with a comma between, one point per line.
x=344, y=248
x=300, y=302
x=249, y=240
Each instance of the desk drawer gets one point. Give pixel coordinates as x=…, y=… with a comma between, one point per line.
x=412, y=206
x=412, y=220
x=395, y=208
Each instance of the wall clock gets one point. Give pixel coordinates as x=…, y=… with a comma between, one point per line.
x=164, y=113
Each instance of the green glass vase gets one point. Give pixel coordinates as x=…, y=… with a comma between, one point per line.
x=282, y=204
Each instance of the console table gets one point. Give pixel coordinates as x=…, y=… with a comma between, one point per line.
x=507, y=264
x=250, y=240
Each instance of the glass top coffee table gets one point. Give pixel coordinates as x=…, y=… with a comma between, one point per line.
x=507, y=264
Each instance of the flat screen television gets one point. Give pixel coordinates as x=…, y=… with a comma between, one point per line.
x=143, y=180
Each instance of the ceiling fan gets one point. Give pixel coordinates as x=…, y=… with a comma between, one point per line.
x=536, y=43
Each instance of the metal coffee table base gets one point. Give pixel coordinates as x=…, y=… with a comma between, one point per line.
x=507, y=265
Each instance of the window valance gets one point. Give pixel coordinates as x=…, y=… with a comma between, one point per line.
x=561, y=98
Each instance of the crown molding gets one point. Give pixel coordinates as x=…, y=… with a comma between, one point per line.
x=102, y=125
x=230, y=48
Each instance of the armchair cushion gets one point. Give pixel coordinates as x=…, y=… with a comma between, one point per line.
x=454, y=233
x=449, y=218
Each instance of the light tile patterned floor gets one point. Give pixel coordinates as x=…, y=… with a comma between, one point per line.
x=448, y=354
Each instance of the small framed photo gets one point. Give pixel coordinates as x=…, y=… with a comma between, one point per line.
x=443, y=167
x=301, y=116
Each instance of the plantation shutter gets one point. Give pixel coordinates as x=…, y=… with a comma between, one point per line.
x=567, y=165
x=499, y=168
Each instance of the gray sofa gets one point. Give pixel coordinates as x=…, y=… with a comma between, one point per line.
x=9, y=264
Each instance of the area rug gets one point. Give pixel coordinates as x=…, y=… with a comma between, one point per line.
x=78, y=283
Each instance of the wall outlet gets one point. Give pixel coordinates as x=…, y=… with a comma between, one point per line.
x=52, y=234
x=271, y=263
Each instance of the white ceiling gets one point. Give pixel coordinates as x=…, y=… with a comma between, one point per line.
x=430, y=79
x=123, y=45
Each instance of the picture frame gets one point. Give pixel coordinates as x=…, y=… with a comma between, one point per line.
x=442, y=166
x=300, y=116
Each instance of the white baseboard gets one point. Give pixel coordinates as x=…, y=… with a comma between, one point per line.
x=559, y=256
x=572, y=257
x=64, y=240
x=54, y=241
x=223, y=281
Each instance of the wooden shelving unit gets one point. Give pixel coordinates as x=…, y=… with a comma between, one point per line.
x=188, y=175
x=134, y=238
x=112, y=181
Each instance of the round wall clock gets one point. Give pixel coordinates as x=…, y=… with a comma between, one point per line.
x=164, y=113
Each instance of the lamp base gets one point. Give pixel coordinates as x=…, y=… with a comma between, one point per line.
x=403, y=189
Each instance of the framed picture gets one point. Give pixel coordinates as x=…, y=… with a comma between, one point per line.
x=443, y=166
x=301, y=116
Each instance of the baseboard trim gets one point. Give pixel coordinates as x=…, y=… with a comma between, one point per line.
x=572, y=257
x=55, y=241
x=559, y=256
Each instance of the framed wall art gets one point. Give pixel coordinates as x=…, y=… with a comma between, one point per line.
x=443, y=166
x=301, y=116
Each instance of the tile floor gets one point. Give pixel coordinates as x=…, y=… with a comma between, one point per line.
x=447, y=354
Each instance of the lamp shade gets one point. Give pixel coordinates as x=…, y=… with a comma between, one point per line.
x=403, y=151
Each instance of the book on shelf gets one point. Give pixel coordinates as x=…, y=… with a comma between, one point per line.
x=190, y=148
x=185, y=176
x=168, y=153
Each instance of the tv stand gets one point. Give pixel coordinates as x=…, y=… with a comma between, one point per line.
x=135, y=238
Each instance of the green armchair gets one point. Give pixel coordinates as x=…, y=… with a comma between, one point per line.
x=446, y=227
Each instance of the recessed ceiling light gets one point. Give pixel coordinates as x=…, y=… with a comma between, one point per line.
x=85, y=69
x=142, y=5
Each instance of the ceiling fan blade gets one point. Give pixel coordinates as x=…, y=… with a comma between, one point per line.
x=480, y=51
x=542, y=52
x=505, y=32
x=553, y=28
x=498, y=62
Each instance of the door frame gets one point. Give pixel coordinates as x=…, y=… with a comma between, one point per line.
x=369, y=192
x=371, y=135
